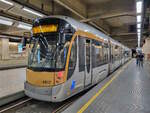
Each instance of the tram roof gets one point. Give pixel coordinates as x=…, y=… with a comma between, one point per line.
x=87, y=28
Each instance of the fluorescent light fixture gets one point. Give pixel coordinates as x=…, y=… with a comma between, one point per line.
x=24, y=26
x=6, y=2
x=139, y=44
x=139, y=6
x=33, y=12
x=139, y=26
x=139, y=41
x=139, y=30
x=139, y=18
x=5, y=21
x=139, y=36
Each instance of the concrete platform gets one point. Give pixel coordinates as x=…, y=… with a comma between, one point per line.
x=12, y=63
x=125, y=91
x=11, y=84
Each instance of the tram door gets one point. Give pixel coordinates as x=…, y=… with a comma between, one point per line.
x=88, y=71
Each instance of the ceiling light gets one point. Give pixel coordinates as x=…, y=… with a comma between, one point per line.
x=138, y=26
x=139, y=6
x=138, y=43
x=139, y=36
x=24, y=26
x=139, y=18
x=138, y=40
x=33, y=12
x=138, y=30
x=6, y=21
x=6, y=2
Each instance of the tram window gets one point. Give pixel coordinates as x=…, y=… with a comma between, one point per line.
x=72, y=60
x=112, y=54
x=88, y=55
x=105, y=53
x=93, y=55
x=81, y=54
x=116, y=52
x=98, y=53
x=87, y=52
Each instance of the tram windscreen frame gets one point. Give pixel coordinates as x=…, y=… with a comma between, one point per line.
x=49, y=49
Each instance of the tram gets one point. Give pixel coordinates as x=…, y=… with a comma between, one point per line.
x=67, y=57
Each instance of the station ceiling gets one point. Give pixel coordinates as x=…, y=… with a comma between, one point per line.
x=116, y=18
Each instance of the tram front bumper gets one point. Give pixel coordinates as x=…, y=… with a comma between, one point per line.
x=39, y=93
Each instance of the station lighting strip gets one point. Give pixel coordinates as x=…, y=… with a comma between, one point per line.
x=6, y=21
x=139, y=11
x=32, y=12
x=7, y=2
x=9, y=22
x=24, y=26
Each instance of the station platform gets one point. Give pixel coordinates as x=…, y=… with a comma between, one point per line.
x=12, y=63
x=125, y=91
x=11, y=84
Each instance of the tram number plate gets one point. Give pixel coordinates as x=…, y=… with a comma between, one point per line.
x=46, y=82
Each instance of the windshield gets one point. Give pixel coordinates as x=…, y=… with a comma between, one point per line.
x=47, y=52
x=49, y=49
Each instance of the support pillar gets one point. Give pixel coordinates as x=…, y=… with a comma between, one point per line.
x=4, y=48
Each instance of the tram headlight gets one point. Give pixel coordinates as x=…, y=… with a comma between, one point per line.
x=59, y=78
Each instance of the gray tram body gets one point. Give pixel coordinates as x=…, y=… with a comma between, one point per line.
x=83, y=79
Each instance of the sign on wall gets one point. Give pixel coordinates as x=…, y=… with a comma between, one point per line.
x=19, y=48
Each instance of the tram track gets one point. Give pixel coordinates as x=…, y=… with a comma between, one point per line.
x=24, y=102
x=61, y=108
x=25, y=105
x=14, y=105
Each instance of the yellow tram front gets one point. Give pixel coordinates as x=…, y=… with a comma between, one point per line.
x=48, y=56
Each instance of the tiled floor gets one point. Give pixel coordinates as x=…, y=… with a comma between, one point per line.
x=128, y=93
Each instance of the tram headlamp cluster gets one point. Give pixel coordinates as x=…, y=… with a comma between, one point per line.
x=139, y=10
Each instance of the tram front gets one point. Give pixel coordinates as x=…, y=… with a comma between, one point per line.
x=47, y=57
